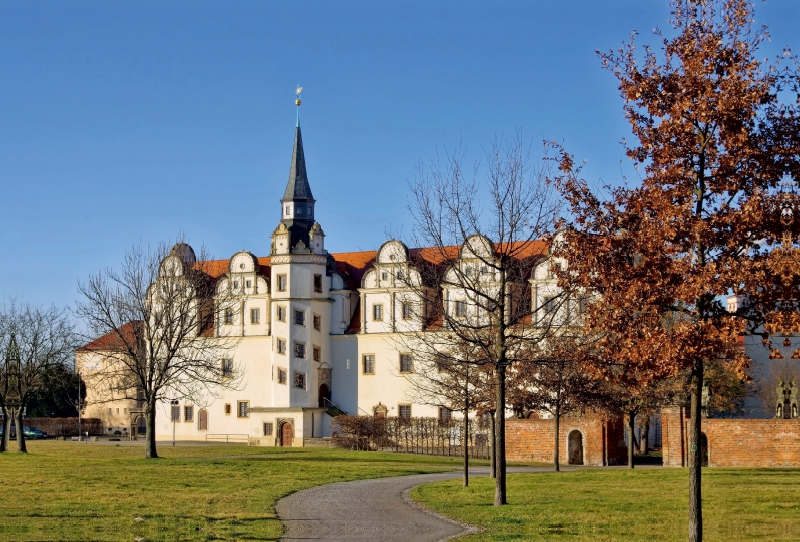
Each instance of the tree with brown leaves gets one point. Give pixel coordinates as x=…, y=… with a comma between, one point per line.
x=703, y=113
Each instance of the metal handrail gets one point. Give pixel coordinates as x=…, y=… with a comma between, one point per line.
x=236, y=437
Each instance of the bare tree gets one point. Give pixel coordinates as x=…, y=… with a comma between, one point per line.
x=38, y=339
x=159, y=316
x=472, y=288
x=454, y=381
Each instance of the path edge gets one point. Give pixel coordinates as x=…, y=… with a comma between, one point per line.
x=468, y=528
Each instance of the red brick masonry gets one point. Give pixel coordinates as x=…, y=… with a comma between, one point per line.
x=733, y=442
x=532, y=440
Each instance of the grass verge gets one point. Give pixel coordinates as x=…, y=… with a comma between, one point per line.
x=74, y=491
x=618, y=504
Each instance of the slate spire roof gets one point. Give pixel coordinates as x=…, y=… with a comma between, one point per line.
x=298, y=188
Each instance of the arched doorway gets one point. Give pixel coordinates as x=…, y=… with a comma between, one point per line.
x=141, y=425
x=575, y=447
x=324, y=393
x=287, y=434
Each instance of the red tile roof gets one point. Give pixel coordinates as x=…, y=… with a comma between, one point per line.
x=112, y=340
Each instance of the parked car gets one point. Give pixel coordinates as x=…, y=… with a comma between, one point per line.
x=33, y=433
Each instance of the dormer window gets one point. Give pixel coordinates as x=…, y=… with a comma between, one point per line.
x=288, y=210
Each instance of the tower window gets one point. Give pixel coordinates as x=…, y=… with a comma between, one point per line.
x=281, y=376
x=281, y=313
x=377, y=313
x=281, y=283
x=317, y=353
x=300, y=318
x=281, y=346
x=255, y=316
x=461, y=308
x=318, y=283
x=300, y=350
x=288, y=210
x=317, y=322
x=228, y=316
x=407, y=311
x=300, y=380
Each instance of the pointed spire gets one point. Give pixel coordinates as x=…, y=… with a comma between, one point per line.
x=12, y=354
x=298, y=187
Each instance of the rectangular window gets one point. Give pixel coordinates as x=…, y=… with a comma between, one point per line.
x=300, y=350
x=549, y=304
x=317, y=322
x=445, y=415
x=461, y=308
x=377, y=313
x=300, y=380
x=228, y=316
x=281, y=283
x=318, y=284
x=255, y=316
x=281, y=346
x=317, y=353
x=407, y=312
x=281, y=376
x=227, y=409
x=369, y=364
x=404, y=411
x=227, y=368
x=176, y=413
x=109, y=411
x=243, y=409
x=406, y=363
x=281, y=313
x=188, y=413
x=268, y=429
x=248, y=283
x=300, y=318
x=399, y=275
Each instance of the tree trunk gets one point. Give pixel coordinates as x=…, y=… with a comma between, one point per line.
x=492, y=447
x=465, y=438
x=643, y=439
x=4, y=444
x=631, y=436
x=21, y=446
x=695, y=456
x=556, y=451
x=150, y=430
x=500, y=436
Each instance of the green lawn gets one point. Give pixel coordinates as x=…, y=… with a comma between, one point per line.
x=617, y=504
x=76, y=491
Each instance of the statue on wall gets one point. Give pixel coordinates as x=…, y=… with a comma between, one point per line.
x=786, y=400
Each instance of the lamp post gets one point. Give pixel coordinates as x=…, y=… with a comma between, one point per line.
x=79, y=407
x=174, y=404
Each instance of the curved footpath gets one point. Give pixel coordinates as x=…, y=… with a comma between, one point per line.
x=369, y=510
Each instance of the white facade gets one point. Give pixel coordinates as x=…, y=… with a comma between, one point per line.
x=317, y=332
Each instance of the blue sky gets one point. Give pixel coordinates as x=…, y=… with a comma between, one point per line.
x=123, y=122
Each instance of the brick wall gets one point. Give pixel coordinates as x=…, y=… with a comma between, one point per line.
x=533, y=440
x=733, y=442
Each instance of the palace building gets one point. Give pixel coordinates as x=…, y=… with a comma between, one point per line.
x=318, y=334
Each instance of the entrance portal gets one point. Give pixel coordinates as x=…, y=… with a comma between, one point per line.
x=575, y=447
x=287, y=434
x=324, y=393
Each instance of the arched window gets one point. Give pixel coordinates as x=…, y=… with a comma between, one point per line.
x=202, y=420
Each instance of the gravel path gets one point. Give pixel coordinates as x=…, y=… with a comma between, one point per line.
x=369, y=510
